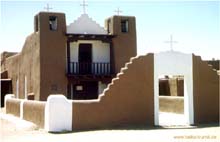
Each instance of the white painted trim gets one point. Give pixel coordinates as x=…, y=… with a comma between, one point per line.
x=58, y=114
x=85, y=25
x=22, y=109
x=174, y=63
x=25, y=87
x=8, y=96
x=17, y=88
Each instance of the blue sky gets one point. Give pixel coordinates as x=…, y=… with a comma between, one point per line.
x=194, y=24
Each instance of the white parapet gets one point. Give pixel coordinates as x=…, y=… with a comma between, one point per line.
x=58, y=114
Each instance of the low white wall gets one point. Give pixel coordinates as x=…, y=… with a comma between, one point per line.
x=58, y=114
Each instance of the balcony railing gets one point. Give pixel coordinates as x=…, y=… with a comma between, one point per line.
x=84, y=68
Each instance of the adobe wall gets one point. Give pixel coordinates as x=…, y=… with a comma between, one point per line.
x=25, y=63
x=206, y=92
x=128, y=100
x=176, y=87
x=171, y=104
x=13, y=106
x=5, y=55
x=11, y=65
x=34, y=111
x=171, y=87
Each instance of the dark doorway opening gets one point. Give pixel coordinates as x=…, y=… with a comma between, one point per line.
x=85, y=58
x=86, y=90
x=6, y=88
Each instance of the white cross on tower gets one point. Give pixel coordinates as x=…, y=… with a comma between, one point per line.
x=48, y=8
x=171, y=42
x=84, y=6
x=118, y=11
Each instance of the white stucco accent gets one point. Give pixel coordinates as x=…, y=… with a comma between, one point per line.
x=102, y=87
x=8, y=96
x=25, y=87
x=174, y=63
x=74, y=51
x=58, y=114
x=85, y=25
x=100, y=50
x=22, y=109
x=17, y=88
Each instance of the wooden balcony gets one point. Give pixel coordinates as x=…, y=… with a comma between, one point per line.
x=78, y=70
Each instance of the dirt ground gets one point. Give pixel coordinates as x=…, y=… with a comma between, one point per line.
x=21, y=131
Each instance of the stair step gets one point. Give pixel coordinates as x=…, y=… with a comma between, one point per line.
x=124, y=68
x=119, y=74
x=133, y=58
x=128, y=63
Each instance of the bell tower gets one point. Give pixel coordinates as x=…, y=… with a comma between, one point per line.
x=51, y=28
x=124, y=43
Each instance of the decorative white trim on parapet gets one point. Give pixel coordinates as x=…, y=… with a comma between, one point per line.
x=85, y=25
x=22, y=109
x=58, y=114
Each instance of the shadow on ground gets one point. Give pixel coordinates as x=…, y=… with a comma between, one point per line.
x=141, y=127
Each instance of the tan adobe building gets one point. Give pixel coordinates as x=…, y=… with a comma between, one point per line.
x=77, y=60
x=65, y=64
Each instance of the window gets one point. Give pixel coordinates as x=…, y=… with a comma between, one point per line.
x=124, y=26
x=53, y=23
x=79, y=88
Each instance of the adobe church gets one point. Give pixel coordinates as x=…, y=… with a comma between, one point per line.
x=77, y=60
x=82, y=60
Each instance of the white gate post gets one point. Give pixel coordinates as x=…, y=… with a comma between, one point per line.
x=58, y=114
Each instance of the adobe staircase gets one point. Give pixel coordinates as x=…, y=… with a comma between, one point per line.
x=119, y=75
